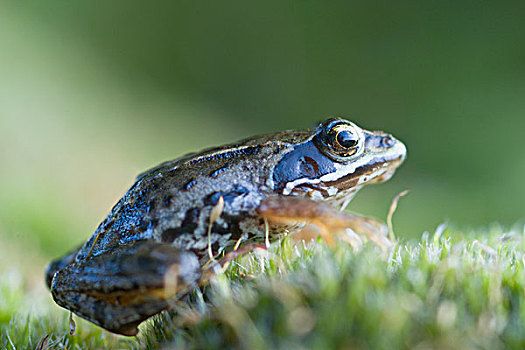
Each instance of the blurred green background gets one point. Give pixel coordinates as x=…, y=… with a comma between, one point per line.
x=92, y=93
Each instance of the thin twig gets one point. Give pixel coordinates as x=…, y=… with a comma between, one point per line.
x=72, y=324
x=266, y=233
x=216, y=212
x=393, y=208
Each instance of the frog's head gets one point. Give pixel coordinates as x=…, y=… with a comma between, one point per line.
x=336, y=160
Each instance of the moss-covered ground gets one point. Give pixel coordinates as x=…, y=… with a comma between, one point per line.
x=450, y=289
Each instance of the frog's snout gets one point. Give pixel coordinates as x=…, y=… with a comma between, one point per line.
x=394, y=147
x=402, y=150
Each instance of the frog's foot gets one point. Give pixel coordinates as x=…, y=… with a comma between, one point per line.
x=119, y=289
x=290, y=210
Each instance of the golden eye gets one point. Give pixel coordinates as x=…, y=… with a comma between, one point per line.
x=342, y=140
x=339, y=139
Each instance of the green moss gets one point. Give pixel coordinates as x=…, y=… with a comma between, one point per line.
x=52, y=332
x=449, y=290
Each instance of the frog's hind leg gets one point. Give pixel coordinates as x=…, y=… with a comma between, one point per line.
x=119, y=289
x=289, y=210
x=59, y=264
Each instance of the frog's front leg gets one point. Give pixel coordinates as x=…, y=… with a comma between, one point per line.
x=120, y=288
x=288, y=210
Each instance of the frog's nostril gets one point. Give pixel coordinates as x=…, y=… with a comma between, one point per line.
x=387, y=141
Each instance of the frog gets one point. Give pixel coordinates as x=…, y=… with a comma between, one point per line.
x=187, y=215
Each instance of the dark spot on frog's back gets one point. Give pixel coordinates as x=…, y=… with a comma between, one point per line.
x=219, y=171
x=169, y=235
x=189, y=185
x=168, y=201
x=228, y=196
x=151, y=206
x=188, y=225
x=148, y=224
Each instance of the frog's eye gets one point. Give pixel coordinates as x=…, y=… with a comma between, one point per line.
x=345, y=139
x=340, y=139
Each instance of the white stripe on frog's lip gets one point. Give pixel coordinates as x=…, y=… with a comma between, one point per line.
x=365, y=178
x=391, y=155
x=291, y=185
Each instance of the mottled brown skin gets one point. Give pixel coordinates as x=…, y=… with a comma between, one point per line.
x=154, y=242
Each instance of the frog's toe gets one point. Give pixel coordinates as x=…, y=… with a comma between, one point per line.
x=329, y=221
x=119, y=289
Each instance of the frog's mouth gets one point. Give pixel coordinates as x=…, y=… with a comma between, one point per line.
x=378, y=172
x=346, y=185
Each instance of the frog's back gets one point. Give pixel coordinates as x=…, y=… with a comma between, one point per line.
x=171, y=202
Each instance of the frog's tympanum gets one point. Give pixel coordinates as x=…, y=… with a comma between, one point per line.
x=155, y=244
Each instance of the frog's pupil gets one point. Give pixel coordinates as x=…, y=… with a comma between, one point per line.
x=346, y=139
